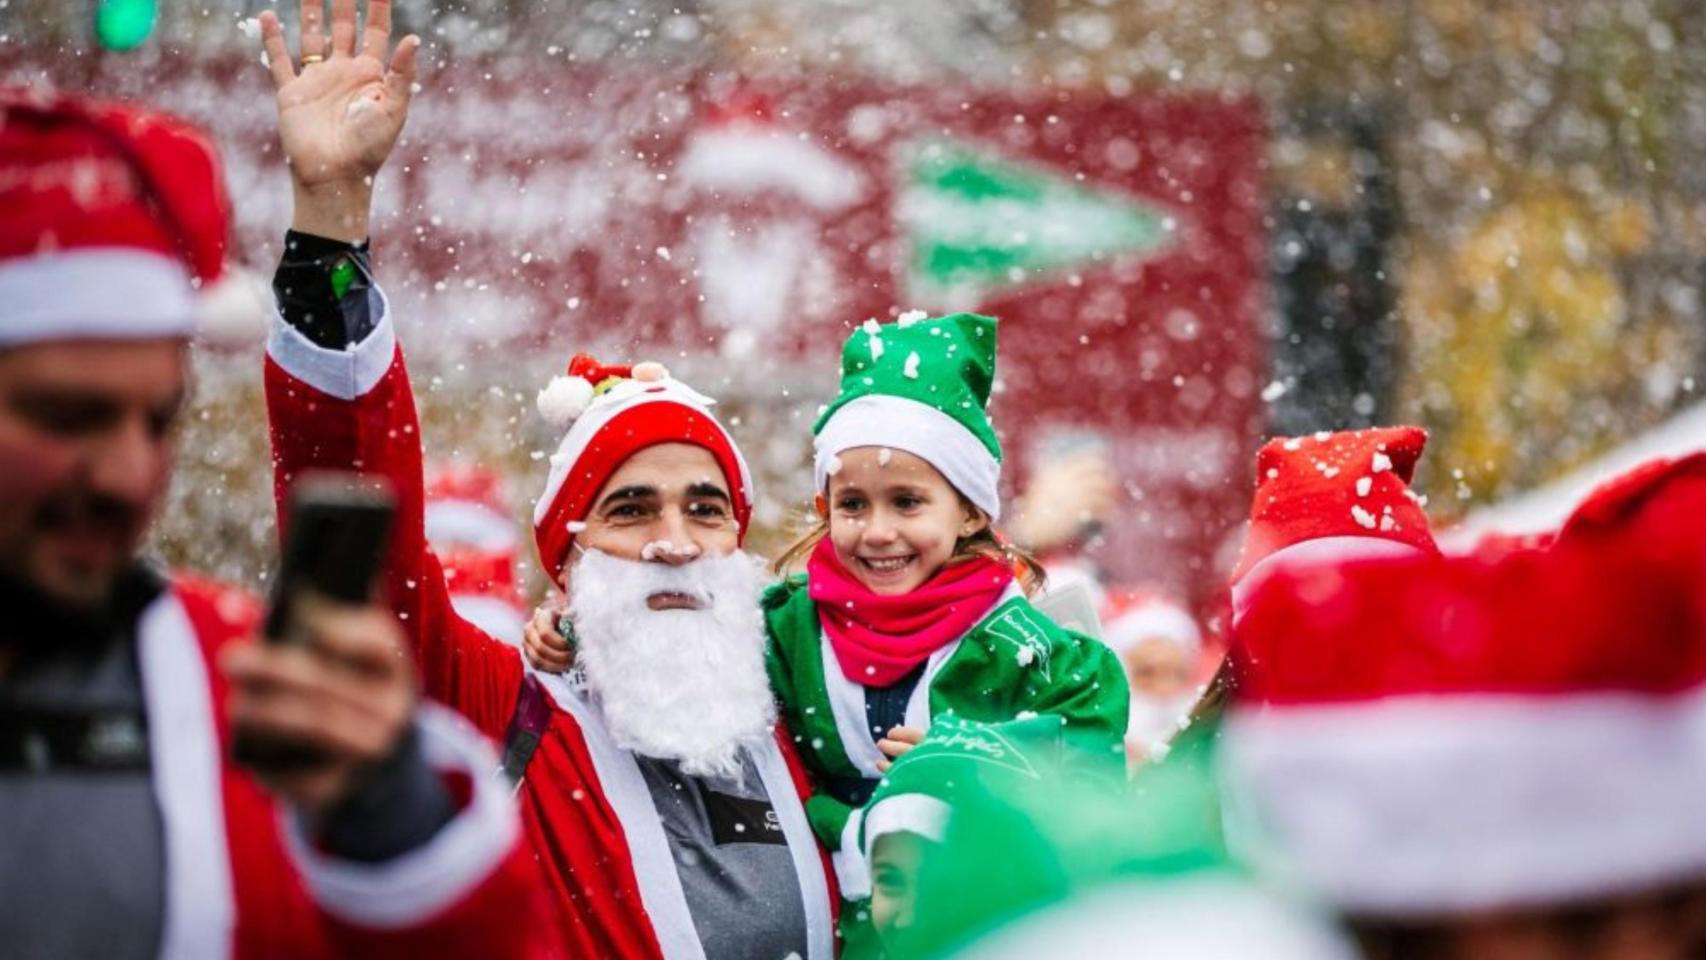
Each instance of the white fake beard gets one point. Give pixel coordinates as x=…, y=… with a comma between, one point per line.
x=1154, y=720
x=683, y=685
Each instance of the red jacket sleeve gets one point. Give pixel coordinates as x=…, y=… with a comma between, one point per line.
x=354, y=409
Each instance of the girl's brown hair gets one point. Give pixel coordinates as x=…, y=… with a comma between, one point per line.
x=985, y=543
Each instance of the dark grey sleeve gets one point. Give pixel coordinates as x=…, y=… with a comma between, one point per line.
x=325, y=289
x=397, y=806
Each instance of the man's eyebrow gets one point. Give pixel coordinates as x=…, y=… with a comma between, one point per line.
x=705, y=488
x=636, y=491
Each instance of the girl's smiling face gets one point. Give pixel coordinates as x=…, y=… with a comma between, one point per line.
x=894, y=520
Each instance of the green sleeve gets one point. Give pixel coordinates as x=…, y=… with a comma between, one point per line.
x=828, y=817
x=1089, y=689
x=776, y=653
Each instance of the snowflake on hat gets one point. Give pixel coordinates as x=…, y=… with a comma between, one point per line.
x=610, y=412
x=1329, y=497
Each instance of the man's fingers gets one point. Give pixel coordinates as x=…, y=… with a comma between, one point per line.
x=377, y=34
x=313, y=29
x=343, y=28
x=278, y=55
x=400, y=75
x=365, y=639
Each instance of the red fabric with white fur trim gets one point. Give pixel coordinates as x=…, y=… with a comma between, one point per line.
x=79, y=174
x=1346, y=484
x=1620, y=617
x=629, y=432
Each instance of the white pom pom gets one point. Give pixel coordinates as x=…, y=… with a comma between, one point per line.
x=563, y=400
x=650, y=371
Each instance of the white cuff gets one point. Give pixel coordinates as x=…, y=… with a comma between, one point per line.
x=417, y=885
x=346, y=374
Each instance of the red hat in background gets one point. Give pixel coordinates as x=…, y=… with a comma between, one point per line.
x=1333, y=496
x=1141, y=615
x=111, y=216
x=1652, y=501
x=1430, y=737
x=475, y=535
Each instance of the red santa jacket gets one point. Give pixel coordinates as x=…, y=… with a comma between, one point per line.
x=240, y=880
x=584, y=804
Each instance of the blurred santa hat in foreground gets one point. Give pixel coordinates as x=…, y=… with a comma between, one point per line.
x=1425, y=738
x=1331, y=497
x=474, y=532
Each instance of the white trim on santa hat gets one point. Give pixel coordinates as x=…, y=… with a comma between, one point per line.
x=1422, y=806
x=900, y=423
x=613, y=403
x=95, y=293
x=1163, y=620
x=500, y=619
x=1319, y=552
x=917, y=813
x=469, y=522
x=346, y=374
x=425, y=881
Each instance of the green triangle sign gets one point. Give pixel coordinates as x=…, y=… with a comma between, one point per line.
x=977, y=223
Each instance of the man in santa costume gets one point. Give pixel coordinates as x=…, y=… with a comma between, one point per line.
x=470, y=526
x=658, y=793
x=127, y=830
x=1490, y=758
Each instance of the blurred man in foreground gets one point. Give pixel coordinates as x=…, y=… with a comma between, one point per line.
x=127, y=831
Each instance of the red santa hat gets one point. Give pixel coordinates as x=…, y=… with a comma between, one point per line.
x=1435, y=737
x=612, y=412
x=1136, y=617
x=1329, y=497
x=113, y=217
x=466, y=507
x=1646, y=500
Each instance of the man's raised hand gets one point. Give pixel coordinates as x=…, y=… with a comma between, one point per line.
x=340, y=112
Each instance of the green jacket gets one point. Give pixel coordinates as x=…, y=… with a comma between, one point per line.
x=1014, y=661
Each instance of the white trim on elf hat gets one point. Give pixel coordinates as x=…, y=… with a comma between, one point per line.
x=899, y=423
x=917, y=813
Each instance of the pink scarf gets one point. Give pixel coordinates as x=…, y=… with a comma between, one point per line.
x=879, y=639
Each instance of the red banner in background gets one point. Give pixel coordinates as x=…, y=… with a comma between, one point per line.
x=748, y=226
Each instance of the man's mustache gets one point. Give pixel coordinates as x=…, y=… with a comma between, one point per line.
x=88, y=513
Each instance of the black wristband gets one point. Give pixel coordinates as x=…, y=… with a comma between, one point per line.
x=325, y=289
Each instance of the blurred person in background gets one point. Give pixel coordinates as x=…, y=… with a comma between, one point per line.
x=128, y=830
x=659, y=794
x=471, y=526
x=1490, y=758
x=1161, y=647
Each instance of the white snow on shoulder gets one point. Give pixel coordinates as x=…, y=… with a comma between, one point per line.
x=1382, y=463
x=911, y=317
x=1363, y=518
x=911, y=369
x=1364, y=485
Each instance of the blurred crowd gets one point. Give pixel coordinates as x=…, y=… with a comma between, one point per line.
x=931, y=726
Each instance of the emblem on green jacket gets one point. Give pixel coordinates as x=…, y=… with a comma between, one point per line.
x=1019, y=626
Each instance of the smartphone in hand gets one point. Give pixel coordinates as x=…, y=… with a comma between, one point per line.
x=338, y=533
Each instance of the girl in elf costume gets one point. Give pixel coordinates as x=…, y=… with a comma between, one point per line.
x=911, y=606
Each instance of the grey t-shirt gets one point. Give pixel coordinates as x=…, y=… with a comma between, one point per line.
x=742, y=889
x=83, y=869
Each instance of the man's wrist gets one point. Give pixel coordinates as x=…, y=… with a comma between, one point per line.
x=334, y=211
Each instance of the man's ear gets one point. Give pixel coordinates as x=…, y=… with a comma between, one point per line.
x=820, y=503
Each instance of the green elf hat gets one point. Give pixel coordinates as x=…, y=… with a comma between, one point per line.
x=919, y=385
x=956, y=758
